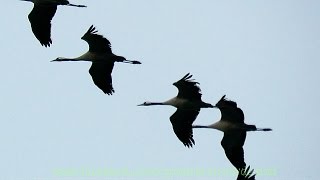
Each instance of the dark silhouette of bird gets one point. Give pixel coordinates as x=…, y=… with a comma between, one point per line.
x=188, y=103
x=40, y=18
x=235, y=131
x=102, y=58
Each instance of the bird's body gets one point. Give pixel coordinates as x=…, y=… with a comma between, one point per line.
x=40, y=18
x=232, y=119
x=235, y=132
x=102, y=58
x=223, y=126
x=188, y=103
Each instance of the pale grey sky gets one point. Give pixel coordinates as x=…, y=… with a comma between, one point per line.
x=55, y=123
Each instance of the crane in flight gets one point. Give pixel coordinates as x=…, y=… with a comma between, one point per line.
x=102, y=58
x=188, y=103
x=235, y=132
x=41, y=15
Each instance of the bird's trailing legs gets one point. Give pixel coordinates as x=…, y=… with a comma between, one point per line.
x=128, y=61
x=75, y=5
x=263, y=129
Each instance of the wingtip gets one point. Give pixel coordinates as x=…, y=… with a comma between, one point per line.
x=246, y=174
x=108, y=91
x=189, y=144
x=46, y=44
x=91, y=30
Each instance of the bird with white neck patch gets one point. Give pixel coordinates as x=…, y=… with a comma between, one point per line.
x=188, y=103
x=235, y=132
x=102, y=58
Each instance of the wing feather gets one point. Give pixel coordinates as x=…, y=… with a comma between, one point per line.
x=232, y=143
x=181, y=122
x=188, y=88
x=101, y=76
x=40, y=19
x=246, y=174
x=229, y=111
x=97, y=43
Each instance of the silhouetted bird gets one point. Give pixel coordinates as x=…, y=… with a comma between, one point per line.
x=188, y=103
x=102, y=58
x=235, y=131
x=40, y=18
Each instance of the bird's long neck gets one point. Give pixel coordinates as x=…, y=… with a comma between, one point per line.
x=67, y=59
x=206, y=105
x=84, y=57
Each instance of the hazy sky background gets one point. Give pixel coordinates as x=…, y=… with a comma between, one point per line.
x=263, y=54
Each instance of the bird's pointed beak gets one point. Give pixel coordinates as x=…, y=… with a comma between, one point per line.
x=140, y=104
x=56, y=60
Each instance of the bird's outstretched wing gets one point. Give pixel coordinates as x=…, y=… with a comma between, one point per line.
x=181, y=122
x=97, y=43
x=188, y=88
x=232, y=143
x=229, y=111
x=246, y=174
x=101, y=76
x=40, y=19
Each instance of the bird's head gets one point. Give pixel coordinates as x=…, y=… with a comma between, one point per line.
x=58, y=59
x=151, y=103
x=223, y=102
x=146, y=104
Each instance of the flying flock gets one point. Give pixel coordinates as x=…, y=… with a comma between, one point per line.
x=188, y=101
